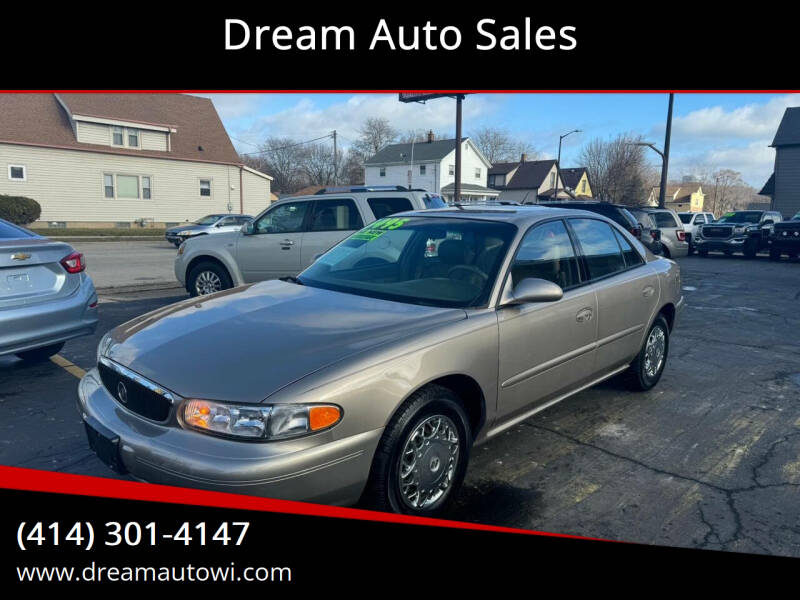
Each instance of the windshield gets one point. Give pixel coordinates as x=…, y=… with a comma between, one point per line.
x=208, y=220
x=686, y=217
x=742, y=216
x=420, y=260
x=12, y=232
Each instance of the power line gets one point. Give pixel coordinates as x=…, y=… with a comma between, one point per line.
x=324, y=137
x=243, y=142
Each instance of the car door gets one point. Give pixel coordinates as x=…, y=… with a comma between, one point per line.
x=627, y=291
x=331, y=220
x=273, y=248
x=546, y=348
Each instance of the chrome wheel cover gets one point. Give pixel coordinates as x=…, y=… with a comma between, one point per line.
x=654, y=351
x=428, y=462
x=207, y=282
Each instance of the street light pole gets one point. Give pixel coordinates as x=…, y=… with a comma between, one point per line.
x=665, y=155
x=457, y=186
x=558, y=162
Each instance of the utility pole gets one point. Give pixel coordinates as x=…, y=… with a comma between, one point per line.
x=457, y=185
x=335, y=161
x=665, y=155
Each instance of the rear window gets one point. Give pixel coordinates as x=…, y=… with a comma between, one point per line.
x=383, y=207
x=665, y=219
x=12, y=232
x=686, y=218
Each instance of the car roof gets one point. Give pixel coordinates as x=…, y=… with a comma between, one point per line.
x=372, y=193
x=521, y=215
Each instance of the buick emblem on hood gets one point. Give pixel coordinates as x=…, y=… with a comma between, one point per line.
x=122, y=393
x=20, y=256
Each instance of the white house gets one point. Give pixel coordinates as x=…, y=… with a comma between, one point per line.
x=431, y=165
x=118, y=159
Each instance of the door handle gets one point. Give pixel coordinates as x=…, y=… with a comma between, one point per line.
x=287, y=243
x=584, y=315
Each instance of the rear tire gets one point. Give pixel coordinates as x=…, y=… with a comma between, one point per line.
x=422, y=456
x=646, y=369
x=750, y=250
x=702, y=252
x=206, y=278
x=40, y=354
x=665, y=251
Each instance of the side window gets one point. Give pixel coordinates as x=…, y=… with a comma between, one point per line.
x=335, y=215
x=546, y=252
x=631, y=256
x=699, y=220
x=665, y=220
x=383, y=207
x=285, y=218
x=599, y=246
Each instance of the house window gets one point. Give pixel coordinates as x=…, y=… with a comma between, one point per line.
x=118, y=136
x=205, y=187
x=422, y=169
x=133, y=138
x=383, y=172
x=451, y=170
x=127, y=186
x=17, y=173
x=146, y=194
x=477, y=173
x=583, y=186
x=108, y=185
x=552, y=180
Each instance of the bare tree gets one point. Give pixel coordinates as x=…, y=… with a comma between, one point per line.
x=618, y=169
x=352, y=171
x=728, y=192
x=419, y=136
x=498, y=145
x=280, y=158
x=374, y=134
x=317, y=164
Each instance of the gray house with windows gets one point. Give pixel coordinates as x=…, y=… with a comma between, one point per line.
x=118, y=159
x=783, y=186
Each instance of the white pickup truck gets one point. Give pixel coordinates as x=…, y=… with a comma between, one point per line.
x=691, y=221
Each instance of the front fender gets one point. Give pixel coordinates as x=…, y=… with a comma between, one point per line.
x=222, y=250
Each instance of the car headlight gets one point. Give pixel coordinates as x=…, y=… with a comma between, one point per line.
x=738, y=230
x=259, y=422
x=186, y=232
x=104, y=346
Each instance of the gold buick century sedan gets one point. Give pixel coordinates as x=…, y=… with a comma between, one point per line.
x=370, y=375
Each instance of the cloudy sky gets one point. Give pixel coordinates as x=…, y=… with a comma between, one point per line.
x=710, y=131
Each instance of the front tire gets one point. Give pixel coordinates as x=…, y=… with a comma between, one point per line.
x=702, y=252
x=422, y=457
x=207, y=278
x=750, y=249
x=645, y=371
x=40, y=354
x=774, y=254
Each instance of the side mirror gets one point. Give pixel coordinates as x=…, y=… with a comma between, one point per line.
x=534, y=290
x=248, y=228
x=767, y=222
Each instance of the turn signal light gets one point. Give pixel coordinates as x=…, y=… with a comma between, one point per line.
x=320, y=417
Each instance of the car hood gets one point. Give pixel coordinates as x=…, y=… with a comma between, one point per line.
x=188, y=227
x=244, y=344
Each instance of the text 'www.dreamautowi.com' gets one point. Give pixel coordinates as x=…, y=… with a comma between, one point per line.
x=189, y=573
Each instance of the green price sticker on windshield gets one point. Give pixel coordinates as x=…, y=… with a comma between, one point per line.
x=378, y=228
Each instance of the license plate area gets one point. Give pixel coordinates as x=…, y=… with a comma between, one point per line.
x=104, y=443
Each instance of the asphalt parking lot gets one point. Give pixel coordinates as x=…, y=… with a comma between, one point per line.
x=708, y=459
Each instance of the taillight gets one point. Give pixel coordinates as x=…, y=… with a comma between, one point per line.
x=681, y=235
x=74, y=263
x=637, y=233
x=654, y=234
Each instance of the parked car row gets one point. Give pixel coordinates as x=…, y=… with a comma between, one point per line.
x=744, y=231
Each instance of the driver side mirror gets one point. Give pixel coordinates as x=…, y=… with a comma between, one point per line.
x=248, y=228
x=533, y=290
x=767, y=222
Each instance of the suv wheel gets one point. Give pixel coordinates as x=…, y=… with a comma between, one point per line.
x=40, y=354
x=208, y=277
x=702, y=252
x=422, y=456
x=774, y=254
x=750, y=249
x=645, y=371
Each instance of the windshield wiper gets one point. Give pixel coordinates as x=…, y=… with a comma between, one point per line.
x=291, y=279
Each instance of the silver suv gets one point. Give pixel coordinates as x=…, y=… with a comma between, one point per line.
x=288, y=236
x=673, y=236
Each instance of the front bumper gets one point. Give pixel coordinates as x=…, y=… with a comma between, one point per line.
x=30, y=327
x=784, y=244
x=314, y=468
x=730, y=244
